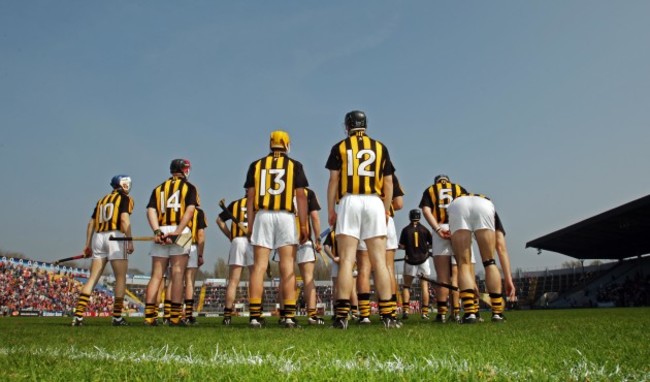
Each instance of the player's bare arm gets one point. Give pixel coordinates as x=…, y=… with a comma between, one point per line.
x=90, y=229
x=332, y=188
x=152, y=218
x=125, y=226
x=388, y=193
x=224, y=228
x=200, y=245
x=250, y=210
x=315, y=225
x=303, y=217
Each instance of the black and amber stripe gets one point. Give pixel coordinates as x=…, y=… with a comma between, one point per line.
x=397, y=192
x=363, y=163
x=274, y=183
x=106, y=215
x=172, y=198
x=238, y=210
x=198, y=223
x=312, y=205
x=439, y=196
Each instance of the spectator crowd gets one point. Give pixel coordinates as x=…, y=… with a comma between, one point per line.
x=26, y=288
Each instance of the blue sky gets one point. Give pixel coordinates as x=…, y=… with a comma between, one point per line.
x=543, y=106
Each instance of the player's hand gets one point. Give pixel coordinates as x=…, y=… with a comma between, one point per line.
x=331, y=218
x=88, y=252
x=158, y=236
x=445, y=233
x=304, y=234
x=510, y=290
x=336, y=259
x=129, y=247
x=200, y=260
x=318, y=246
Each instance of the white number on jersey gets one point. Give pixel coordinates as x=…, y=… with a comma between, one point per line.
x=106, y=212
x=363, y=169
x=444, y=197
x=173, y=202
x=278, y=179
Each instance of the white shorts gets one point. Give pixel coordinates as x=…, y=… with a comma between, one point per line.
x=361, y=216
x=274, y=229
x=442, y=247
x=471, y=213
x=414, y=270
x=306, y=253
x=104, y=248
x=193, y=261
x=159, y=250
x=241, y=252
x=391, y=240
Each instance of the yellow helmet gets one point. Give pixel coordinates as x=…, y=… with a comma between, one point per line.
x=280, y=140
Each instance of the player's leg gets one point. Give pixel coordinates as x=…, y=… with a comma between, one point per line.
x=309, y=291
x=190, y=278
x=96, y=268
x=158, y=268
x=425, y=269
x=178, y=264
x=442, y=264
x=256, y=285
x=462, y=241
x=486, y=243
x=406, y=292
x=354, y=298
x=392, y=243
x=364, y=270
x=234, y=275
x=424, y=287
x=347, y=248
x=377, y=255
x=287, y=255
x=120, y=267
x=454, y=295
x=390, y=265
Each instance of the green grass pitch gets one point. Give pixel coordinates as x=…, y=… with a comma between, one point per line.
x=548, y=345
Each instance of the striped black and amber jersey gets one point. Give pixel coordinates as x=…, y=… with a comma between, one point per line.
x=198, y=223
x=237, y=209
x=172, y=198
x=363, y=162
x=438, y=196
x=397, y=192
x=275, y=179
x=416, y=240
x=108, y=210
x=312, y=205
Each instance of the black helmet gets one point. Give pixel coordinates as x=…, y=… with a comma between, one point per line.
x=355, y=119
x=180, y=165
x=414, y=215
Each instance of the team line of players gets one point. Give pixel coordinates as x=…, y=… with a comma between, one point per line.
x=278, y=218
